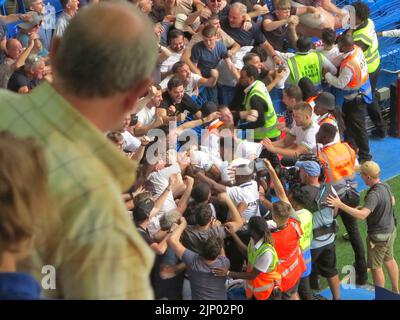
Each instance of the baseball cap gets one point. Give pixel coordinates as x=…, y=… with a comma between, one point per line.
x=369, y=168
x=142, y=209
x=326, y=100
x=36, y=20
x=312, y=168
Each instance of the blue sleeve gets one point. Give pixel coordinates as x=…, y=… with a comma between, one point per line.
x=189, y=257
x=169, y=257
x=196, y=52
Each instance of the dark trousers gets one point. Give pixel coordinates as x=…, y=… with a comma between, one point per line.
x=350, y=223
x=356, y=133
x=304, y=290
x=373, y=109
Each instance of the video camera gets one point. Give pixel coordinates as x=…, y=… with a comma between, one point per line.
x=134, y=120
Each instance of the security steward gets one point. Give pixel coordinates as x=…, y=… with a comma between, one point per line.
x=259, y=112
x=354, y=81
x=364, y=36
x=263, y=281
x=338, y=160
x=308, y=63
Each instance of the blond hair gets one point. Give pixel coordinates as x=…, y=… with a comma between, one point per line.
x=23, y=195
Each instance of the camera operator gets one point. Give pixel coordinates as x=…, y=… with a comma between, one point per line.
x=323, y=252
x=338, y=160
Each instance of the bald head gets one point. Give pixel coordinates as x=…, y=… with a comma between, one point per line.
x=14, y=48
x=108, y=48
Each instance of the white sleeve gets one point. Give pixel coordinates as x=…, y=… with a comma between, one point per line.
x=341, y=81
x=329, y=66
x=391, y=33
x=196, y=78
x=309, y=140
x=262, y=264
x=168, y=171
x=164, y=83
x=234, y=193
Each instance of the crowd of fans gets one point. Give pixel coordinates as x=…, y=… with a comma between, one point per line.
x=234, y=198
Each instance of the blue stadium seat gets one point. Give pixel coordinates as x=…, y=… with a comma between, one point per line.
x=3, y=7
x=12, y=29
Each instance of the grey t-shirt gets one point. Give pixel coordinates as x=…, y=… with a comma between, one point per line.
x=204, y=285
x=379, y=200
x=193, y=239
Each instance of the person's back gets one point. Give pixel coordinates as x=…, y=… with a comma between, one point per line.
x=91, y=233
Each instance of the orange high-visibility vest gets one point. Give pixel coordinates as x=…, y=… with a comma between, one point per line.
x=339, y=162
x=358, y=65
x=291, y=263
x=262, y=286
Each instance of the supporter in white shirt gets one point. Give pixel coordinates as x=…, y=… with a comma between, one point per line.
x=329, y=49
x=131, y=143
x=301, y=138
x=176, y=47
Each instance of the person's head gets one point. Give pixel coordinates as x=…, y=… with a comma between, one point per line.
x=144, y=5
x=203, y=214
x=282, y=10
x=244, y=173
x=260, y=51
x=214, y=21
x=309, y=171
x=36, y=6
x=226, y=114
x=281, y=212
x=168, y=219
x=14, y=48
x=362, y=12
x=117, y=138
x=236, y=15
x=258, y=229
x=24, y=201
x=70, y=6
x=142, y=197
x=304, y=44
x=302, y=113
x=34, y=67
x=292, y=95
x=324, y=103
x=326, y=133
x=328, y=37
x=126, y=122
x=116, y=59
x=307, y=88
x=176, y=40
x=176, y=89
x=296, y=197
x=212, y=247
x=32, y=26
x=248, y=75
x=157, y=99
x=345, y=43
x=181, y=70
x=209, y=34
x=141, y=211
x=253, y=59
x=214, y=5
x=370, y=172
x=201, y=192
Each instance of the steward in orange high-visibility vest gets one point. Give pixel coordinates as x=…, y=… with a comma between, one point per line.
x=358, y=66
x=286, y=241
x=263, y=281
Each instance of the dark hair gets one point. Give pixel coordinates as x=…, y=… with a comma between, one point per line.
x=212, y=247
x=328, y=36
x=304, y=44
x=177, y=65
x=260, y=52
x=294, y=92
x=175, y=33
x=174, y=82
x=259, y=226
x=249, y=56
x=297, y=196
x=362, y=10
x=214, y=16
x=251, y=71
x=307, y=88
x=346, y=40
x=200, y=192
x=328, y=131
x=209, y=31
x=203, y=214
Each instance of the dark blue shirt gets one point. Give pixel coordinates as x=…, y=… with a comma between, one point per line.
x=18, y=286
x=252, y=37
x=208, y=59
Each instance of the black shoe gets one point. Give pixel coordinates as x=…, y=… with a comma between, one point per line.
x=315, y=283
x=377, y=134
x=361, y=279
